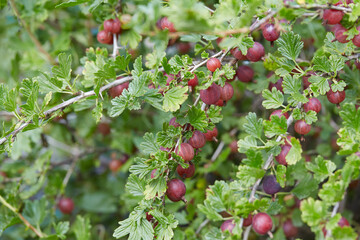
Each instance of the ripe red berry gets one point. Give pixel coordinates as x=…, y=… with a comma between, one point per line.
x=301, y=127
x=186, y=172
x=245, y=73
x=213, y=64
x=227, y=225
x=112, y=25
x=256, y=52
x=313, y=104
x=3, y=174
x=173, y=122
x=104, y=128
x=176, y=190
x=343, y=222
x=335, y=97
x=234, y=146
x=166, y=24
x=270, y=32
x=185, y=151
x=290, y=230
x=281, y=158
x=226, y=92
x=183, y=47
x=197, y=140
x=332, y=16
x=262, y=223
x=210, y=95
x=220, y=103
x=340, y=34
x=270, y=185
x=104, y=37
x=211, y=134
x=66, y=205
x=149, y=217
x=277, y=85
x=237, y=54
x=248, y=221
x=279, y=113
x=115, y=165
x=117, y=90
x=305, y=79
x=193, y=82
x=356, y=39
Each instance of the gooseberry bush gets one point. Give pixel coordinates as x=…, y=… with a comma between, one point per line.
x=179, y=119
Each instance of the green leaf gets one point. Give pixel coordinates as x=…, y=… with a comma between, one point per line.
x=35, y=211
x=214, y=114
x=156, y=187
x=174, y=98
x=136, y=226
x=281, y=175
x=253, y=126
x=48, y=83
x=294, y=154
x=61, y=229
x=122, y=62
x=82, y=228
x=197, y=118
x=63, y=70
x=149, y=145
x=344, y=233
x=137, y=67
x=305, y=187
x=164, y=230
x=291, y=84
x=248, y=175
x=97, y=111
x=276, y=126
x=313, y=212
x=135, y=185
x=273, y=99
x=321, y=84
x=321, y=168
x=290, y=45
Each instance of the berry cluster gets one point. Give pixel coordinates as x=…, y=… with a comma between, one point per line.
x=111, y=26
x=261, y=223
x=186, y=150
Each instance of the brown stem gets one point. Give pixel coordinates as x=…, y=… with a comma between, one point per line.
x=26, y=222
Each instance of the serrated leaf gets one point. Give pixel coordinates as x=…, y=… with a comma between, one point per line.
x=63, y=70
x=253, y=125
x=290, y=45
x=294, y=155
x=197, y=118
x=135, y=185
x=273, y=99
x=248, y=175
x=313, y=211
x=82, y=228
x=174, y=98
x=321, y=168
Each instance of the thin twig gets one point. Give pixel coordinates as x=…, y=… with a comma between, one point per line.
x=26, y=222
x=217, y=151
x=202, y=225
x=320, y=6
x=32, y=36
